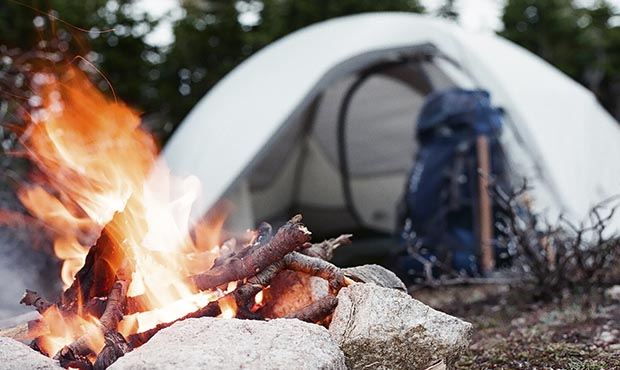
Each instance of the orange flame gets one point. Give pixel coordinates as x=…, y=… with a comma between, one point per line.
x=100, y=170
x=59, y=330
x=228, y=307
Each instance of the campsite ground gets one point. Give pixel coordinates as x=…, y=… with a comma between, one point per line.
x=579, y=329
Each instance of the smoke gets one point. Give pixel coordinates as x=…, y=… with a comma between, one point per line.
x=22, y=266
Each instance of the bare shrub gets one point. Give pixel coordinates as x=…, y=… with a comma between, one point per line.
x=562, y=254
x=550, y=255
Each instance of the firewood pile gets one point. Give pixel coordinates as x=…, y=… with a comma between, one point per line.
x=100, y=289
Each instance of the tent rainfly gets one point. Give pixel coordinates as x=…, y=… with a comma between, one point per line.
x=322, y=122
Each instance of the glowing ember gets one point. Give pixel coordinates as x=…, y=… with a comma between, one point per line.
x=99, y=170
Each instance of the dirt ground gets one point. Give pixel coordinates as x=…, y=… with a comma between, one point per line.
x=578, y=330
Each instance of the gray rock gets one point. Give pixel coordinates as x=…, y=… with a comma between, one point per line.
x=16, y=355
x=210, y=343
x=381, y=328
x=613, y=293
x=375, y=274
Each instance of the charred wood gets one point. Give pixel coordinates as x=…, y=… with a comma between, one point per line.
x=115, y=348
x=291, y=291
x=71, y=360
x=34, y=344
x=96, y=277
x=115, y=306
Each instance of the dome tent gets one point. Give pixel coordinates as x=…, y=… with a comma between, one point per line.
x=322, y=122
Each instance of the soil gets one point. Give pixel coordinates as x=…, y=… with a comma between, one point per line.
x=578, y=329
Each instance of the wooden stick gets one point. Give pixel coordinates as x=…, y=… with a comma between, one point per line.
x=325, y=249
x=315, y=311
x=485, y=222
x=109, y=321
x=32, y=298
x=244, y=294
x=250, y=261
x=316, y=267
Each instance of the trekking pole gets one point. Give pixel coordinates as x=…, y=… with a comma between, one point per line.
x=487, y=257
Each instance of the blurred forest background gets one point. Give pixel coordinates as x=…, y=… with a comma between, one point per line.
x=211, y=37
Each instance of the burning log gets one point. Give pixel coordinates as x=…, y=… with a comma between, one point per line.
x=250, y=261
x=109, y=321
x=254, y=284
x=96, y=306
x=96, y=277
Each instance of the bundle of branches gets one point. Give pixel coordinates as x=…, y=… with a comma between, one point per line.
x=561, y=255
x=100, y=288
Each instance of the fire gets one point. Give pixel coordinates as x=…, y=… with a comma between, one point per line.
x=258, y=299
x=59, y=330
x=100, y=170
x=228, y=306
x=73, y=255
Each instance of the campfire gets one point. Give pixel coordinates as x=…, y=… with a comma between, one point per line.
x=132, y=262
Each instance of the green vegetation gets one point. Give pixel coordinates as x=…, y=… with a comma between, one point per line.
x=211, y=37
x=582, y=42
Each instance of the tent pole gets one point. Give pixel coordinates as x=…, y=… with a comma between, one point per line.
x=485, y=213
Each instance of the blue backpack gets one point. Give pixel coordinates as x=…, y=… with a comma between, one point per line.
x=438, y=214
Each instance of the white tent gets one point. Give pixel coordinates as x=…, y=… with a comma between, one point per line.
x=269, y=138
